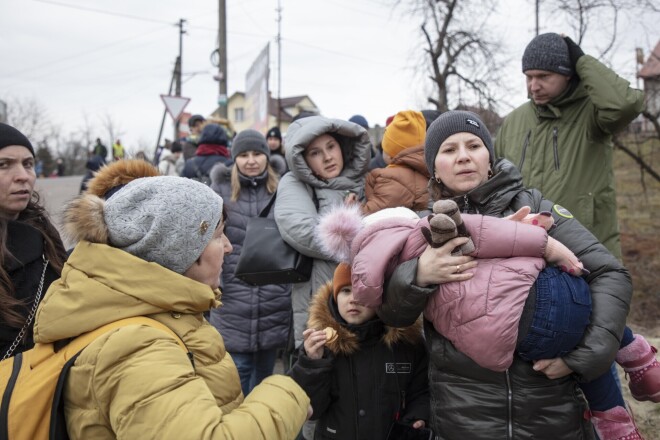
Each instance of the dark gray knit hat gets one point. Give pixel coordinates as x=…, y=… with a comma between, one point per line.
x=165, y=220
x=10, y=136
x=450, y=123
x=249, y=140
x=547, y=52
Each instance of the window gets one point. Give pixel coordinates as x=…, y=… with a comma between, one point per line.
x=238, y=114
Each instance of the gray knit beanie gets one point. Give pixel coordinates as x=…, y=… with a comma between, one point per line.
x=166, y=220
x=547, y=52
x=450, y=123
x=249, y=140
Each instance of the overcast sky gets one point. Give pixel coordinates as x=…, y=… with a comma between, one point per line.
x=115, y=57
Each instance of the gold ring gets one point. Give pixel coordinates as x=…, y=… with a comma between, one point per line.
x=458, y=268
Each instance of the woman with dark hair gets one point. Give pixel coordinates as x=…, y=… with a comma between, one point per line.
x=31, y=251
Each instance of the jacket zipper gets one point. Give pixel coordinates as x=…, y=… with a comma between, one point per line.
x=466, y=204
x=524, y=150
x=555, y=132
x=509, y=402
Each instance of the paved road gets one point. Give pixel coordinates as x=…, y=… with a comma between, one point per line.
x=55, y=192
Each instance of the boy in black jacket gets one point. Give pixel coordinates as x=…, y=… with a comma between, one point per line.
x=361, y=376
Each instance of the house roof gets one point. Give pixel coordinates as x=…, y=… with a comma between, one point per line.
x=651, y=67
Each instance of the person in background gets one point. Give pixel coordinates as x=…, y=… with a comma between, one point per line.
x=118, y=152
x=155, y=248
x=366, y=378
x=561, y=139
x=31, y=251
x=171, y=159
x=328, y=161
x=190, y=142
x=530, y=399
x=141, y=155
x=254, y=320
x=277, y=152
x=93, y=164
x=100, y=150
x=211, y=150
x=403, y=182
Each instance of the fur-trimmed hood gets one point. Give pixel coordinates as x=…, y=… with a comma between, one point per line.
x=347, y=342
x=119, y=173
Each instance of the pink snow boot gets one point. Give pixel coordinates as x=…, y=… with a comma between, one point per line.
x=614, y=424
x=639, y=362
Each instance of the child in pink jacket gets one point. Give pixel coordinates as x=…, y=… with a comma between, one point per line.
x=492, y=315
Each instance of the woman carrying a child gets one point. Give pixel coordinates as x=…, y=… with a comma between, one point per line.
x=537, y=397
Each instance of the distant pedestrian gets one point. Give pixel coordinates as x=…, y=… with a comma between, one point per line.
x=100, y=150
x=211, y=150
x=118, y=152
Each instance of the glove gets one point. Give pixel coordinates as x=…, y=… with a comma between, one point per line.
x=574, y=52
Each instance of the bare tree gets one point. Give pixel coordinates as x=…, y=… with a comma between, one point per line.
x=112, y=127
x=459, y=54
x=597, y=16
x=30, y=117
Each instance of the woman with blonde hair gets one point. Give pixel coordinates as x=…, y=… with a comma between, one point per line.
x=254, y=320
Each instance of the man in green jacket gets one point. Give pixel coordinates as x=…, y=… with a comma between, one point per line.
x=561, y=139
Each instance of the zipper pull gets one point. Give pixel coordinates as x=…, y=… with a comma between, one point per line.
x=466, y=204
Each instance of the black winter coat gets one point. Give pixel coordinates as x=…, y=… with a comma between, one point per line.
x=472, y=402
x=26, y=245
x=358, y=387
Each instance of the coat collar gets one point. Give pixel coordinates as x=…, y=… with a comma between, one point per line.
x=323, y=313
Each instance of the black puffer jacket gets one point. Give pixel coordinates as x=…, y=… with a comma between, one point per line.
x=251, y=318
x=357, y=387
x=468, y=401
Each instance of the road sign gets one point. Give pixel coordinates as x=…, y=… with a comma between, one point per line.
x=175, y=105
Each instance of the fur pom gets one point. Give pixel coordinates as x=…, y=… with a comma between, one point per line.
x=83, y=220
x=337, y=229
x=119, y=173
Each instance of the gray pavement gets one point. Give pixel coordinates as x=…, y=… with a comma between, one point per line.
x=54, y=192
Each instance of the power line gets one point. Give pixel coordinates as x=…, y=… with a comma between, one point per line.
x=104, y=12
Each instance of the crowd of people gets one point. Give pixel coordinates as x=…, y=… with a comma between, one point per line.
x=461, y=287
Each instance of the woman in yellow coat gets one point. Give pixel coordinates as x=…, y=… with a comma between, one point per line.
x=155, y=248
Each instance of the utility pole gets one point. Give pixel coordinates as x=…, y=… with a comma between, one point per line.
x=222, y=62
x=537, y=17
x=178, y=69
x=279, y=64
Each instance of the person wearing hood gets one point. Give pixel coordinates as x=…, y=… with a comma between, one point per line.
x=328, y=160
x=155, y=248
x=212, y=149
x=31, y=251
x=365, y=377
x=561, y=139
x=254, y=320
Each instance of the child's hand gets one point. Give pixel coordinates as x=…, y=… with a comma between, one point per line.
x=419, y=424
x=313, y=343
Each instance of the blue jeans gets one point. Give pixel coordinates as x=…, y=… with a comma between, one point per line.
x=254, y=367
x=561, y=316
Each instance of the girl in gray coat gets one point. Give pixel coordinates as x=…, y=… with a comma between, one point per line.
x=253, y=320
x=328, y=160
